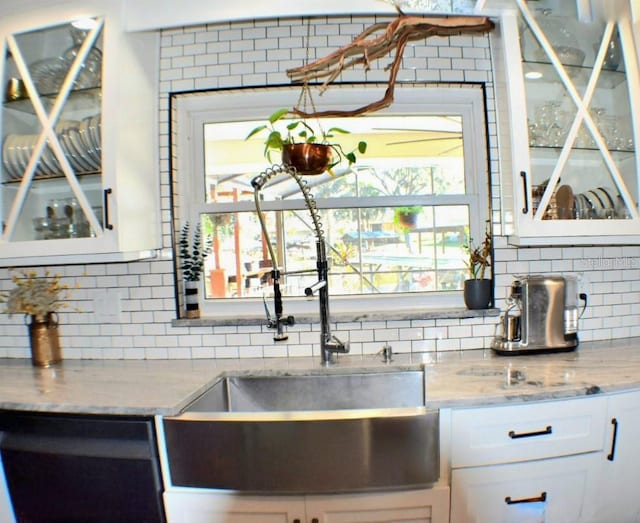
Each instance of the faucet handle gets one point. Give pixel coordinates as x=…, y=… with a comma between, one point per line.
x=335, y=345
x=387, y=353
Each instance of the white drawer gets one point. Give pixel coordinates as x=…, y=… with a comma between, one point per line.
x=558, y=490
x=527, y=431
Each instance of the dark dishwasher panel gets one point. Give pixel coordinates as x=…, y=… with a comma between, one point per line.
x=81, y=469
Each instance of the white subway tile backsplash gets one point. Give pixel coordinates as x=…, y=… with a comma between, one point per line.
x=448, y=344
x=255, y=53
x=460, y=331
x=217, y=48
x=277, y=351
x=371, y=348
x=413, y=333
x=472, y=343
x=386, y=335
x=439, y=63
x=475, y=76
x=252, y=351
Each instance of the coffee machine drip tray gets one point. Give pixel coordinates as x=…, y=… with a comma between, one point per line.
x=512, y=348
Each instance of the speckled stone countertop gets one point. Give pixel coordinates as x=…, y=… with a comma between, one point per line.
x=467, y=378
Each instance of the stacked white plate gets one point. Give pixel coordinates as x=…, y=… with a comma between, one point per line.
x=80, y=142
x=596, y=203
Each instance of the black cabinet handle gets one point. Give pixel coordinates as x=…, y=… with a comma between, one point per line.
x=614, y=439
x=517, y=435
x=523, y=175
x=315, y=520
x=541, y=498
x=296, y=520
x=107, y=225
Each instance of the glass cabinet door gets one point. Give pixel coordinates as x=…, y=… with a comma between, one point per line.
x=581, y=136
x=51, y=132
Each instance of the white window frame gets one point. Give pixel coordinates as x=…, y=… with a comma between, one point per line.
x=193, y=110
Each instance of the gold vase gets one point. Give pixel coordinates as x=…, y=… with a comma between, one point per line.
x=45, y=340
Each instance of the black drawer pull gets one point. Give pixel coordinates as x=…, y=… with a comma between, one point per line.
x=612, y=453
x=296, y=520
x=515, y=435
x=315, y=520
x=541, y=498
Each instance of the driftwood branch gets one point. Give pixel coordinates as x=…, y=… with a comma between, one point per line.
x=375, y=42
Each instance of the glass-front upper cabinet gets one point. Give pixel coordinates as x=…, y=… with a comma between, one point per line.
x=79, y=132
x=51, y=133
x=572, y=91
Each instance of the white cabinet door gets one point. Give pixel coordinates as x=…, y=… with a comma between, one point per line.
x=79, y=172
x=219, y=507
x=570, y=91
x=618, y=498
x=558, y=490
x=419, y=506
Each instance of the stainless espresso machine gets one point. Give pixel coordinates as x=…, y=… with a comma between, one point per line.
x=541, y=316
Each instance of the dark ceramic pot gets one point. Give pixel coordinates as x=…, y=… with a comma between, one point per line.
x=409, y=220
x=477, y=294
x=307, y=158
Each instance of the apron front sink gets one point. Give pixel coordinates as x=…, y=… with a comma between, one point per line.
x=315, y=433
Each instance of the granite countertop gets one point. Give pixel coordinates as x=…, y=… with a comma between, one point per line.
x=467, y=378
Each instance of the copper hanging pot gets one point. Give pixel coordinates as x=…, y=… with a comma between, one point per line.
x=307, y=158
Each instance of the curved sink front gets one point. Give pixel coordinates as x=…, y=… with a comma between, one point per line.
x=316, y=433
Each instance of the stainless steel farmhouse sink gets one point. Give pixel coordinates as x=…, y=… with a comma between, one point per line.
x=313, y=433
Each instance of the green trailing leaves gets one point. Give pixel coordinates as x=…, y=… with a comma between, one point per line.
x=300, y=131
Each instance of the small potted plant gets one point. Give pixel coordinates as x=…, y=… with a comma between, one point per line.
x=39, y=298
x=477, y=288
x=407, y=217
x=193, y=252
x=302, y=147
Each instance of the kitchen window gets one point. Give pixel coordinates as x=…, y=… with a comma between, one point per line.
x=395, y=223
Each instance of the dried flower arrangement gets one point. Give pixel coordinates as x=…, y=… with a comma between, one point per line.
x=36, y=295
x=479, y=256
x=193, y=253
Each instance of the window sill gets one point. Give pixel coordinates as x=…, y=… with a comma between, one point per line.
x=398, y=315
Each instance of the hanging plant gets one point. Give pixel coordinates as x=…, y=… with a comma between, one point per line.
x=406, y=218
x=310, y=151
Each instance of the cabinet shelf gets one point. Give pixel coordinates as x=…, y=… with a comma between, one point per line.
x=52, y=177
x=86, y=99
x=555, y=150
x=539, y=71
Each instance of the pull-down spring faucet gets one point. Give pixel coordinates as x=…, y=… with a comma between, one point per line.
x=329, y=344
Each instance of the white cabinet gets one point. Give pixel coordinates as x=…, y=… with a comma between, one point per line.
x=79, y=152
x=569, y=97
x=539, y=461
x=192, y=506
x=618, y=498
